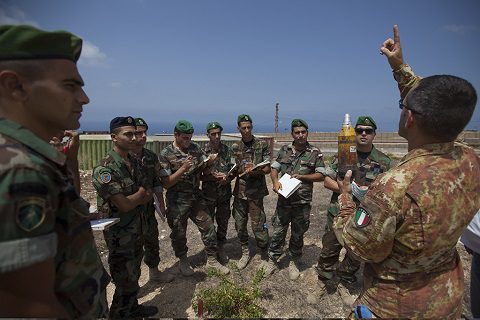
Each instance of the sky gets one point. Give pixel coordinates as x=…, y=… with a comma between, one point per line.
x=211, y=60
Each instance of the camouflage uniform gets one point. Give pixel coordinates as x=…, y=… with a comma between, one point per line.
x=124, y=239
x=249, y=192
x=408, y=225
x=184, y=199
x=412, y=218
x=151, y=169
x=218, y=196
x=296, y=208
x=43, y=217
x=376, y=163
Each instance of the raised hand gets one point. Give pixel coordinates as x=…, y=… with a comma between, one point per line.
x=188, y=163
x=393, y=50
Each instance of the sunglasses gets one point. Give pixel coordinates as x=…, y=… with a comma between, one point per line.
x=367, y=131
x=401, y=105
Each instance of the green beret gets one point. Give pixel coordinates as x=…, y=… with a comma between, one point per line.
x=121, y=122
x=183, y=126
x=26, y=42
x=214, y=125
x=141, y=122
x=244, y=117
x=366, y=121
x=299, y=123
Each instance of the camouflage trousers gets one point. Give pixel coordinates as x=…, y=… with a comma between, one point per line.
x=298, y=217
x=253, y=207
x=220, y=212
x=180, y=207
x=329, y=257
x=125, y=255
x=150, y=237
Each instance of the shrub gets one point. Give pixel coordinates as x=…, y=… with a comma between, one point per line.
x=232, y=297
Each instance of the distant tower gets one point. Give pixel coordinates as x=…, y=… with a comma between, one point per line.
x=276, y=118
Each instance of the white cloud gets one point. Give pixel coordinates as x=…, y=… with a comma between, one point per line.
x=115, y=84
x=14, y=15
x=461, y=29
x=92, y=55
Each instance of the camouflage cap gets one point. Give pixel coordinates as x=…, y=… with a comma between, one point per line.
x=366, y=121
x=141, y=122
x=244, y=117
x=214, y=125
x=19, y=42
x=299, y=123
x=183, y=126
x=121, y=122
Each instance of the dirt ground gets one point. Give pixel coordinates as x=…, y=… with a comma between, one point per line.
x=282, y=297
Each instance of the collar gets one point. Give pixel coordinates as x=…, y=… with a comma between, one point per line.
x=308, y=147
x=428, y=149
x=31, y=140
x=117, y=157
x=179, y=151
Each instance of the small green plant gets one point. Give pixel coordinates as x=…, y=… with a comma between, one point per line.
x=232, y=297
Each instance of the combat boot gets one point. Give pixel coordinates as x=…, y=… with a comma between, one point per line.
x=185, y=267
x=156, y=275
x=242, y=263
x=213, y=263
x=269, y=268
x=263, y=254
x=221, y=254
x=293, y=271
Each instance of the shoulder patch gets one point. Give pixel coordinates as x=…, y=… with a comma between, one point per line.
x=362, y=218
x=105, y=177
x=30, y=213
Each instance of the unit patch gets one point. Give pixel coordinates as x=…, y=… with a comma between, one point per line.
x=30, y=213
x=362, y=218
x=105, y=177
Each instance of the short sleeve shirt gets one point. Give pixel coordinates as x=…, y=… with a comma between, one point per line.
x=290, y=161
x=43, y=217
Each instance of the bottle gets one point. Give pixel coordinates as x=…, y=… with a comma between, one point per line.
x=347, y=148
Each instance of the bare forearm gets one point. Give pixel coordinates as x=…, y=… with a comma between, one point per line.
x=313, y=177
x=331, y=184
x=274, y=175
x=172, y=179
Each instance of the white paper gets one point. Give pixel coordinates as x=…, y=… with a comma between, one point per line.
x=157, y=207
x=289, y=185
x=102, y=224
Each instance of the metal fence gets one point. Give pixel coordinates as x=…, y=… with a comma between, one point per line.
x=93, y=147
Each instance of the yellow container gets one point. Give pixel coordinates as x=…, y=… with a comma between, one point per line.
x=347, y=148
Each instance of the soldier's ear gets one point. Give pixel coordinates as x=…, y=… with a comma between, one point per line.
x=12, y=85
x=113, y=136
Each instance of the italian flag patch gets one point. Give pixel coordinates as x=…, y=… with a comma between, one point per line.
x=362, y=218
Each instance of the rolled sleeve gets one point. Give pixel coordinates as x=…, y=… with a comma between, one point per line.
x=276, y=165
x=21, y=253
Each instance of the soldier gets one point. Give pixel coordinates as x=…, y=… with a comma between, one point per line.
x=121, y=194
x=49, y=264
x=182, y=164
x=371, y=163
x=151, y=170
x=216, y=186
x=302, y=161
x=409, y=222
x=250, y=189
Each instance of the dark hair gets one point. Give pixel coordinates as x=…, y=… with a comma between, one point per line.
x=30, y=69
x=445, y=105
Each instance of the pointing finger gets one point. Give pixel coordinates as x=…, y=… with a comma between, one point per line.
x=396, y=35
